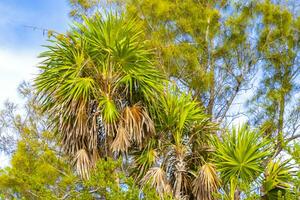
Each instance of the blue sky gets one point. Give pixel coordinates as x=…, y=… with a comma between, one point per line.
x=20, y=45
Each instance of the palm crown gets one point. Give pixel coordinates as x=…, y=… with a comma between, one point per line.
x=96, y=82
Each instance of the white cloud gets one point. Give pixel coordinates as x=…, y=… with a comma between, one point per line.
x=20, y=45
x=15, y=67
x=4, y=160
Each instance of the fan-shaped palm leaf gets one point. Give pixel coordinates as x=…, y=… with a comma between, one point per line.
x=180, y=112
x=239, y=156
x=145, y=159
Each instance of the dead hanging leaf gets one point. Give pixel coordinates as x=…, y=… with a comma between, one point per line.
x=121, y=142
x=137, y=122
x=206, y=183
x=157, y=178
x=83, y=163
x=78, y=129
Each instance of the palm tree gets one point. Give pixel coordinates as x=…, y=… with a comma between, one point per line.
x=175, y=161
x=277, y=176
x=239, y=156
x=96, y=83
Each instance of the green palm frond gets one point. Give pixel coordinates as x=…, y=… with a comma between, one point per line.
x=239, y=155
x=277, y=177
x=145, y=159
x=109, y=112
x=182, y=115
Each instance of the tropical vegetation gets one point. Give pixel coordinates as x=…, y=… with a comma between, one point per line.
x=138, y=100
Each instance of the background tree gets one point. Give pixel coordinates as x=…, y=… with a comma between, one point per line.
x=203, y=45
x=7, y=121
x=38, y=169
x=274, y=106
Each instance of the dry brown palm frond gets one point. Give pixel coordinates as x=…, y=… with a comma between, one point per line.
x=206, y=183
x=78, y=129
x=94, y=157
x=110, y=128
x=157, y=178
x=93, y=133
x=72, y=141
x=122, y=141
x=137, y=122
x=81, y=120
x=83, y=163
x=148, y=122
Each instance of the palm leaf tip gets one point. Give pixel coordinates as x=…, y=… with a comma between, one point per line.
x=277, y=177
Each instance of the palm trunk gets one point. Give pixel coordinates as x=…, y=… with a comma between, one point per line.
x=178, y=185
